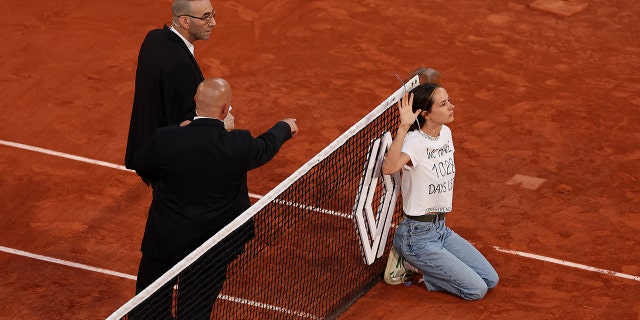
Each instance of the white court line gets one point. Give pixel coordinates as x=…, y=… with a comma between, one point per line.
x=81, y=159
x=267, y=306
x=105, y=271
x=66, y=263
x=78, y=158
x=316, y=209
x=130, y=277
x=569, y=264
x=120, y=167
x=63, y=155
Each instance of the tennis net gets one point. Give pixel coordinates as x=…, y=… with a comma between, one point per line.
x=314, y=244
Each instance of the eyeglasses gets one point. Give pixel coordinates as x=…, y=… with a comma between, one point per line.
x=207, y=17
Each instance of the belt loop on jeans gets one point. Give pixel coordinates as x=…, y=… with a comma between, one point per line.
x=429, y=217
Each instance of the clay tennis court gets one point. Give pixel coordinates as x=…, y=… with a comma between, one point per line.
x=546, y=132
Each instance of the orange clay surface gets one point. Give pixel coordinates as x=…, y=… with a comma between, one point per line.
x=546, y=135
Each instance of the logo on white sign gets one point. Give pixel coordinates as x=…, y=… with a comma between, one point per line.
x=373, y=227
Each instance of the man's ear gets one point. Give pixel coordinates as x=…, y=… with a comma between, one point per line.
x=184, y=22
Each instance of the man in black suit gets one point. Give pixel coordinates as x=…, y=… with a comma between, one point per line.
x=199, y=177
x=167, y=74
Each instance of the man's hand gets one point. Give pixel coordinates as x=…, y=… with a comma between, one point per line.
x=229, y=122
x=293, y=125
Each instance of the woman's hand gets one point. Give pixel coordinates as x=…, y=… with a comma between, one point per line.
x=407, y=116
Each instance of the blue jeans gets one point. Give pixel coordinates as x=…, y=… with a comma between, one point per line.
x=447, y=261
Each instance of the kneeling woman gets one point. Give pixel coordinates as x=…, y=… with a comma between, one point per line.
x=423, y=150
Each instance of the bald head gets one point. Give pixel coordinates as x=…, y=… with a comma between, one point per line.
x=213, y=98
x=180, y=7
x=426, y=75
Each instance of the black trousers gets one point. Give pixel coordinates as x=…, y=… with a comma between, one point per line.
x=191, y=295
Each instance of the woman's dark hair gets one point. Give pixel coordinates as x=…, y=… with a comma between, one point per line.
x=422, y=99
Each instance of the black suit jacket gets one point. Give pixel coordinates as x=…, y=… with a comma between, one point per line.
x=166, y=81
x=199, y=180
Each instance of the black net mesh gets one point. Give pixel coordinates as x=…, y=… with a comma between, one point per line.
x=300, y=252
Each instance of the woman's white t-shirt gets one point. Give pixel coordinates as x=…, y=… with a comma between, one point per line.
x=427, y=186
